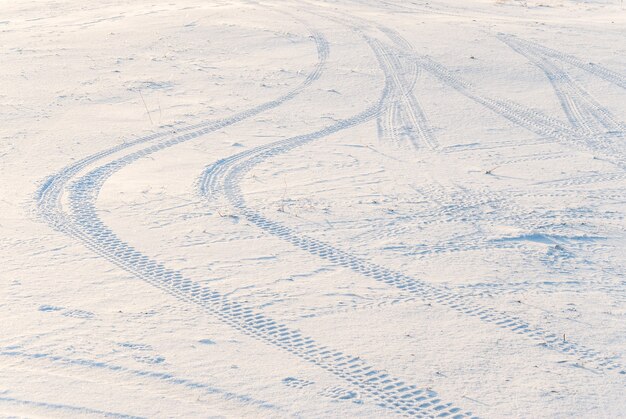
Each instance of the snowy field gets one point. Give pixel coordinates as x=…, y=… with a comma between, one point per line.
x=313, y=208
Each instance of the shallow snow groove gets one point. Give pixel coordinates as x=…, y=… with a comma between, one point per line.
x=157, y=375
x=68, y=409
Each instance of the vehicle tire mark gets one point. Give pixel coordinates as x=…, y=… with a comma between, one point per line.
x=580, y=107
x=12, y=352
x=227, y=174
x=49, y=194
x=406, y=116
x=68, y=409
x=595, y=69
x=533, y=120
x=85, y=224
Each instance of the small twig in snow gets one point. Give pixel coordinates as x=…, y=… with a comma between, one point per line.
x=146, y=106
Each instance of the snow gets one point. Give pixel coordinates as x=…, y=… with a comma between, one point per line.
x=313, y=208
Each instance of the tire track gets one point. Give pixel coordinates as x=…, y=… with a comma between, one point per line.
x=595, y=69
x=84, y=224
x=226, y=175
x=403, y=113
x=407, y=115
x=423, y=290
x=499, y=204
x=605, y=144
x=392, y=123
x=580, y=107
x=391, y=392
x=49, y=194
x=584, y=180
x=532, y=120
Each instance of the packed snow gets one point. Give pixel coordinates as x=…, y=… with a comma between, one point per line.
x=313, y=208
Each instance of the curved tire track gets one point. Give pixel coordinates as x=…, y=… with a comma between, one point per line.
x=84, y=224
x=595, y=69
x=404, y=111
x=225, y=176
x=425, y=291
x=165, y=377
x=49, y=194
x=580, y=107
x=603, y=144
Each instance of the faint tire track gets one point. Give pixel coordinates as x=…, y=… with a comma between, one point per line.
x=68, y=409
x=403, y=112
x=12, y=352
x=595, y=69
x=580, y=107
x=603, y=144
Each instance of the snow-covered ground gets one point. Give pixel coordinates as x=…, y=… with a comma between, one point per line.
x=309, y=208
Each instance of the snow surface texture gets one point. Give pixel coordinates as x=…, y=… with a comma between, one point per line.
x=313, y=208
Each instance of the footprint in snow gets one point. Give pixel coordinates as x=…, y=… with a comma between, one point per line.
x=341, y=394
x=294, y=382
